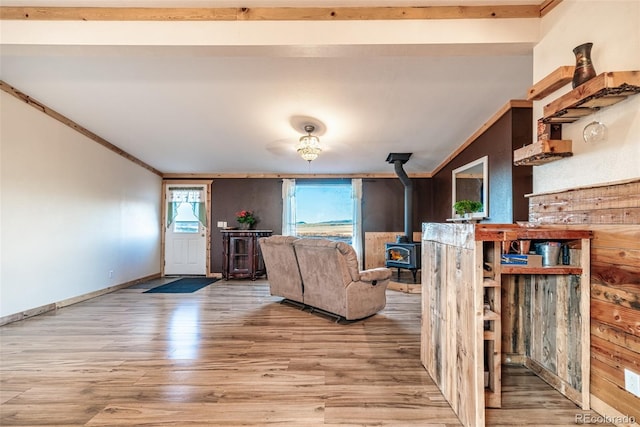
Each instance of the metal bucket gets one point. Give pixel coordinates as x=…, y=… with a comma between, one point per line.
x=550, y=252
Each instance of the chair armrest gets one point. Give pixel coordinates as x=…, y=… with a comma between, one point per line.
x=375, y=274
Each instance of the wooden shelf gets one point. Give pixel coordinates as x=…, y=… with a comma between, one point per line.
x=552, y=82
x=500, y=232
x=465, y=220
x=543, y=151
x=558, y=269
x=601, y=91
x=490, y=283
x=491, y=315
x=489, y=335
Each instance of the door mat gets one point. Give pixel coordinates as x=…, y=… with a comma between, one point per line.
x=186, y=285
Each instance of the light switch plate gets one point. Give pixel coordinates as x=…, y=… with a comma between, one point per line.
x=632, y=382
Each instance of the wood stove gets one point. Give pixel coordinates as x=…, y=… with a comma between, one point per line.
x=404, y=253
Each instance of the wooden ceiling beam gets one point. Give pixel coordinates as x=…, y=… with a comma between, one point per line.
x=547, y=6
x=256, y=175
x=267, y=14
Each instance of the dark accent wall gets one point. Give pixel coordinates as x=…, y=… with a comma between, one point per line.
x=383, y=204
x=522, y=176
x=382, y=210
x=230, y=195
x=507, y=183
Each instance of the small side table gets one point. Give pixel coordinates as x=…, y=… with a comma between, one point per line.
x=242, y=258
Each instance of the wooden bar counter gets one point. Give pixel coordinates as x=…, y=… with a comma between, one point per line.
x=478, y=314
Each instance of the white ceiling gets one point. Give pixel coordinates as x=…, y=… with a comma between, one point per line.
x=239, y=108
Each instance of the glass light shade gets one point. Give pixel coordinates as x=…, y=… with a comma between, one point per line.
x=309, y=147
x=594, y=132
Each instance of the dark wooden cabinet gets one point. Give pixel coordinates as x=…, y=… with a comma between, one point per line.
x=242, y=258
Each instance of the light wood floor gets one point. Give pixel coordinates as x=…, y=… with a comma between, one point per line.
x=230, y=354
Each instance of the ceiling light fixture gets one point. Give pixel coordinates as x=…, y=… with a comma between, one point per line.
x=309, y=146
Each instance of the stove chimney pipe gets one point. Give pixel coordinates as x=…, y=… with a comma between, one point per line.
x=399, y=159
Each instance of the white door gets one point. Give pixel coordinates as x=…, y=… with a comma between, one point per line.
x=185, y=230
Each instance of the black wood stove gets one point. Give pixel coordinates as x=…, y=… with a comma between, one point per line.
x=404, y=253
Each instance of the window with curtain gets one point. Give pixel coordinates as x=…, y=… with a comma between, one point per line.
x=186, y=209
x=329, y=209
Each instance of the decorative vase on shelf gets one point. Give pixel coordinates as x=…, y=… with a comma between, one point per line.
x=584, y=70
x=245, y=226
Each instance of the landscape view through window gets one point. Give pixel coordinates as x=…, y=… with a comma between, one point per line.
x=324, y=210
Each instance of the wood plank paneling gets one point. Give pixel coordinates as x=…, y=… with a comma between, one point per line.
x=615, y=336
x=453, y=305
x=625, y=319
x=553, y=341
x=374, y=251
x=614, y=396
x=623, y=196
x=515, y=309
x=612, y=213
x=611, y=204
x=577, y=335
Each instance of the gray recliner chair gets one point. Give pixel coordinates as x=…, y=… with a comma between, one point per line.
x=282, y=267
x=333, y=281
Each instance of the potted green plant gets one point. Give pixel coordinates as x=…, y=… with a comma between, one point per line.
x=466, y=207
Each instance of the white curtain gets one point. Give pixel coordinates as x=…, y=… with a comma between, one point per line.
x=194, y=196
x=288, y=207
x=356, y=198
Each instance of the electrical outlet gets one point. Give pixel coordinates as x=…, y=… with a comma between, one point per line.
x=222, y=224
x=632, y=382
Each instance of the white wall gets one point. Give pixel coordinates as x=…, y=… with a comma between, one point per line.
x=71, y=211
x=614, y=28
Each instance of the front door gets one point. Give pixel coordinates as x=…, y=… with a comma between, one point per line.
x=185, y=230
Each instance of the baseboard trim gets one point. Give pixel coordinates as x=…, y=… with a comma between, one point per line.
x=407, y=288
x=70, y=301
x=27, y=313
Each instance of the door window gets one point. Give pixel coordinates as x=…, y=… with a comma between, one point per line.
x=186, y=220
x=186, y=209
